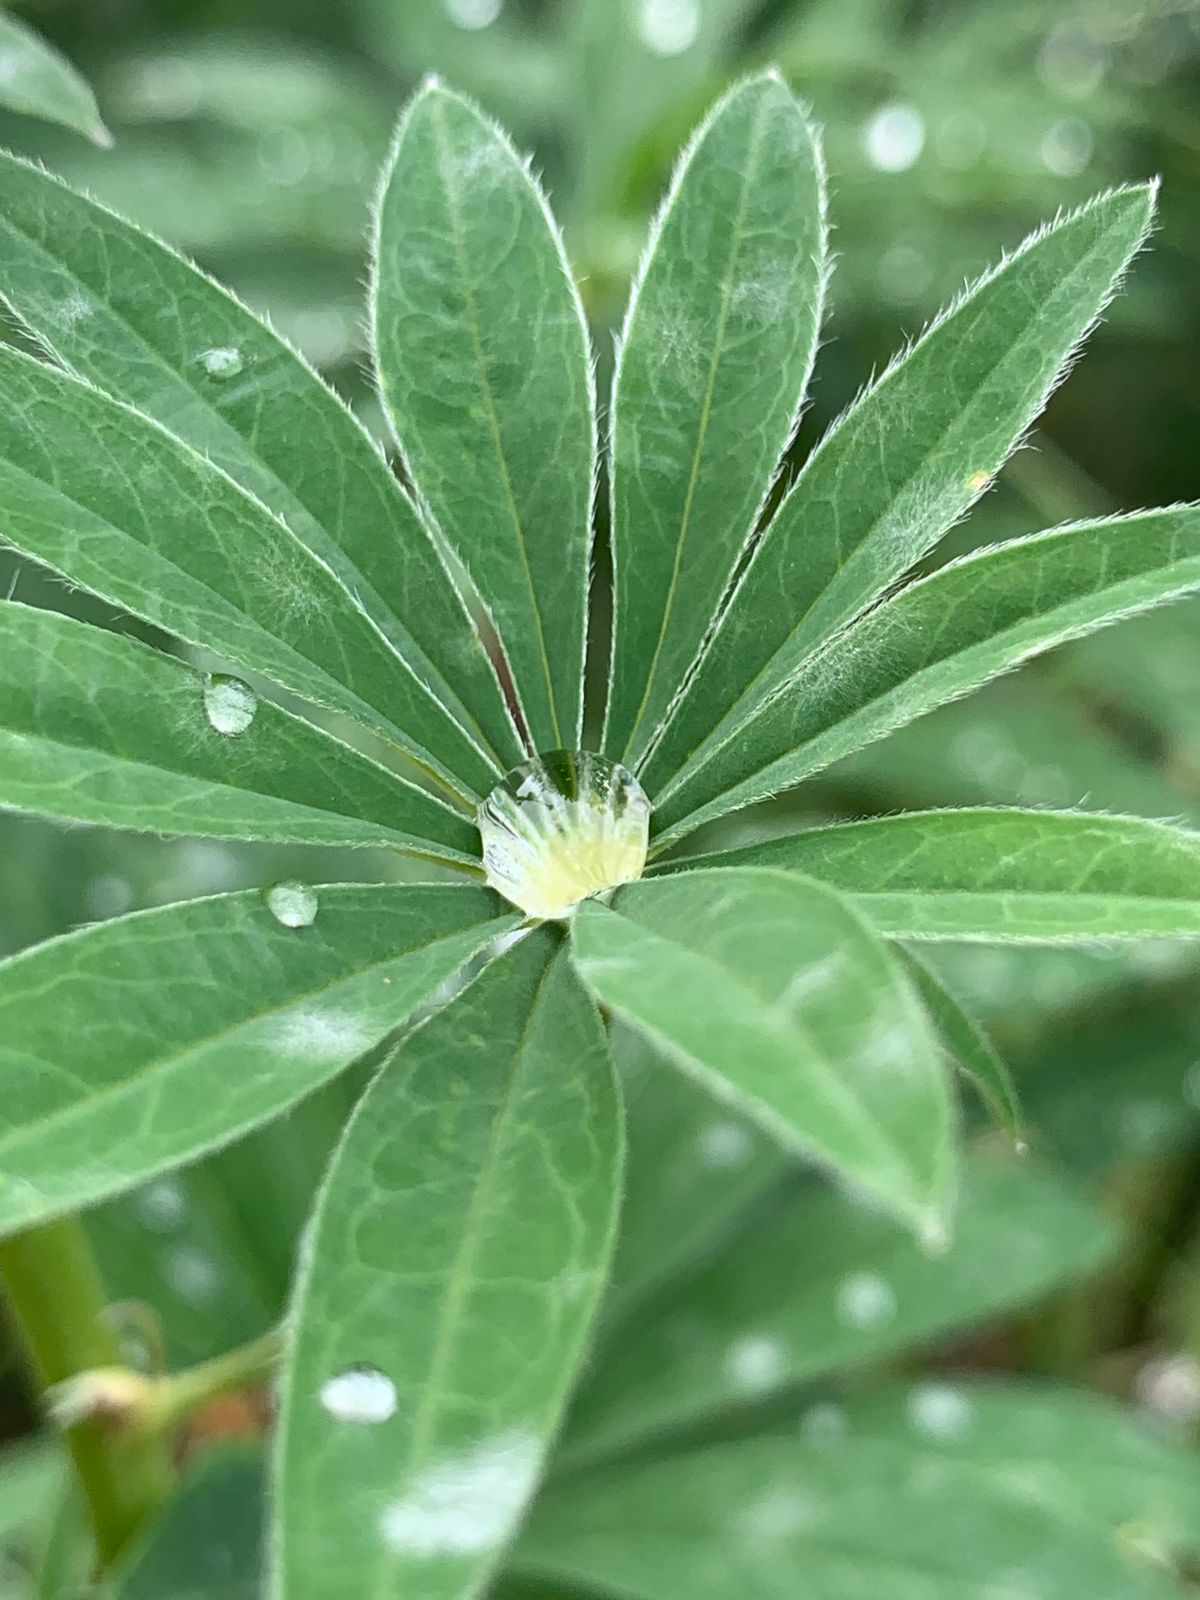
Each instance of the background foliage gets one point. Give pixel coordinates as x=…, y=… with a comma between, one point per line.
x=248, y=132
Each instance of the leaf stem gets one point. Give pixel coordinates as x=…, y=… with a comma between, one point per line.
x=58, y=1304
x=244, y=1368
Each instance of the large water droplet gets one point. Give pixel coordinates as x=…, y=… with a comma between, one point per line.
x=473, y=15
x=229, y=704
x=669, y=27
x=562, y=827
x=292, y=904
x=362, y=1394
x=225, y=361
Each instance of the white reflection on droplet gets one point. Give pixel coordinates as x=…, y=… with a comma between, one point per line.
x=361, y=1394
x=894, y=138
x=669, y=27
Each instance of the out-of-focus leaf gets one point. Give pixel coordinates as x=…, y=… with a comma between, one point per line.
x=96, y=728
x=937, y=640
x=37, y=80
x=714, y=358
x=99, y=493
x=936, y=1491
x=137, y=319
x=770, y=990
x=822, y=1285
x=459, y=1247
x=995, y=874
x=693, y=1166
x=966, y=1044
x=134, y=1046
x=903, y=463
x=485, y=369
x=31, y=1476
x=207, y=1545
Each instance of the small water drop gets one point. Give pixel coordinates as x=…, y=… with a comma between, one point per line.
x=824, y=1424
x=292, y=903
x=865, y=1300
x=725, y=1144
x=669, y=27
x=562, y=827
x=894, y=138
x=939, y=1411
x=224, y=361
x=1066, y=148
x=229, y=704
x=473, y=15
x=756, y=1362
x=361, y=1394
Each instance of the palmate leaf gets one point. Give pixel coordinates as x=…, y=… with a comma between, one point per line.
x=937, y=640
x=144, y=1042
x=104, y=496
x=135, y=318
x=753, y=1322
x=903, y=463
x=997, y=874
x=770, y=990
x=459, y=1246
x=714, y=359
x=932, y=1491
x=97, y=728
x=36, y=80
x=485, y=371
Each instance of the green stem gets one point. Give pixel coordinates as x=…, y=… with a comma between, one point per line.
x=58, y=1303
x=244, y=1368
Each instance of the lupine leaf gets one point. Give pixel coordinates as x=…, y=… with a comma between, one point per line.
x=37, y=80
x=139, y=1044
x=692, y=1167
x=750, y=1324
x=967, y=1045
x=138, y=320
x=97, y=728
x=904, y=462
x=718, y=344
x=485, y=370
x=984, y=873
x=933, y=1491
x=770, y=990
x=459, y=1247
x=207, y=1544
x=99, y=493
x=939, y=639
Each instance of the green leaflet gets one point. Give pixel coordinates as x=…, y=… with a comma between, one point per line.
x=929, y=1491
x=97, y=728
x=692, y=1168
x=38, y=81
x=101, y=494
x=485, y=370
x=983, y=873
x=903, y=463
x=769, y=989
x=967, y=1045
x=140, y=321
x=718, y=344
x=207, y=1544
x=459, y=1247
x=819, y=1285
x=939, y=639
x=133, y=1046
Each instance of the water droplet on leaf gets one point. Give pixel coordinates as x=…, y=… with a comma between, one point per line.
x=225, y=361
x=669, y=27
x=562, y=827
x=865, y=1300
x=229, y=704
x=362, y=1394
x=293, y=904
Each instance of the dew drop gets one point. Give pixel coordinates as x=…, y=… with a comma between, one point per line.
x=224, y=361
x=292, y=904
x=229, y=704
x=939, y=1411
x=894, y=138
x=361, y=1394
x=669, y=27
x=725, y=1144
x=562, y=827
x=756, y=1362
x=865, y=1300
x=473, y=15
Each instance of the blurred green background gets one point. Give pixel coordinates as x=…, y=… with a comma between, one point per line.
x=249, y=132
